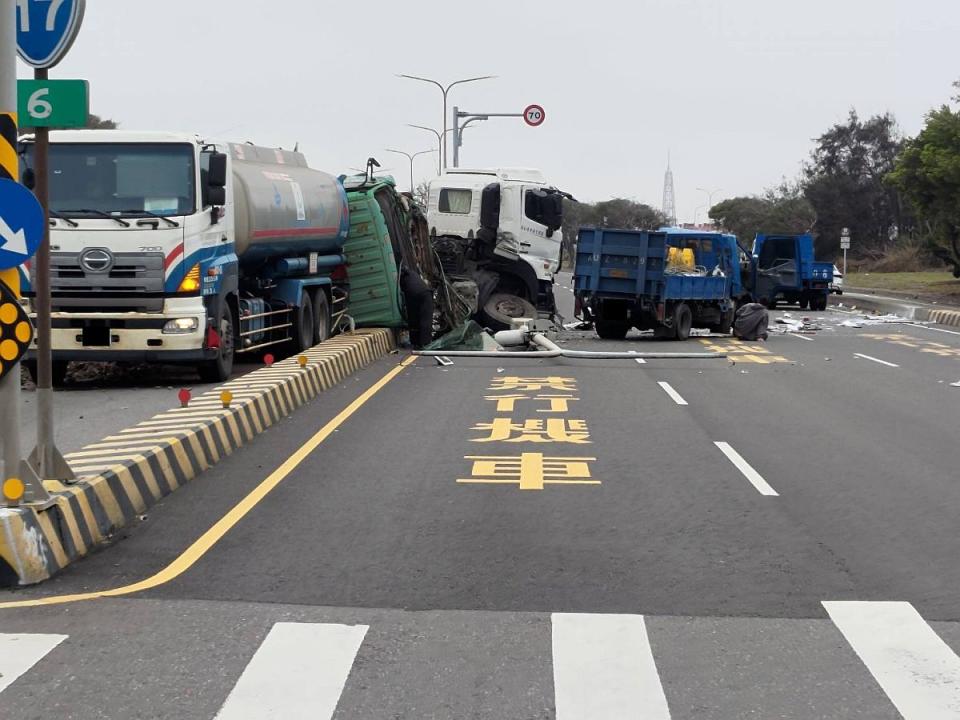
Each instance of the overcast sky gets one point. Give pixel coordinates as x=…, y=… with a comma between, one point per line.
x=734, y=89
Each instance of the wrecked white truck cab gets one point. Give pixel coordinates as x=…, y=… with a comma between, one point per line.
x=500, y=230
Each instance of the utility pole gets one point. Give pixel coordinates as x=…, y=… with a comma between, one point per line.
x=445, y=89
x=17, y=477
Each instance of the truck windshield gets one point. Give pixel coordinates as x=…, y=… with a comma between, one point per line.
x=121, y=178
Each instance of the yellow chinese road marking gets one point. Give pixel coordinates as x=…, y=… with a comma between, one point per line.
x=529, y=471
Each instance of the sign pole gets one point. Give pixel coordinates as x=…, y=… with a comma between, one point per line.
x=17, y=475
x=46, y=459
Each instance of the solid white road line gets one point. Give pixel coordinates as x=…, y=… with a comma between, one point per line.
x=675, y=396
x=641, y=361
x=940, y=330
x=298, y=672
x=743, y=466
x=800, y=337
x=603, y=669
x=915, y=668
x=876, y=360
x=19, y=653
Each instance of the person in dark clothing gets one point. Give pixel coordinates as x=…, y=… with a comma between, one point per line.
x=418, y=299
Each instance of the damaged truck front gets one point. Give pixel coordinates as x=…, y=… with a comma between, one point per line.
x=498, y=233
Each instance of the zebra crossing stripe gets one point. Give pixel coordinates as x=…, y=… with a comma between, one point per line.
x=603, y=669
x=19, y=653
x=297, y=673
x=916, y=669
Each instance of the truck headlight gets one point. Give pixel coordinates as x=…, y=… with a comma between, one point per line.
x=181, y=326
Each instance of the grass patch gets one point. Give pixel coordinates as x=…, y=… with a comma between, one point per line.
x=933, y=282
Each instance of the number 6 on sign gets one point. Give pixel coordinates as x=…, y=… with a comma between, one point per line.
x=38, y=108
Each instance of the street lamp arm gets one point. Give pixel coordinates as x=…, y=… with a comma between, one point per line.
x=423, y=79
x=466, y=80
x=400, y=152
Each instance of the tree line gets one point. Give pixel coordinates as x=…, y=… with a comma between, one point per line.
x=894, y=193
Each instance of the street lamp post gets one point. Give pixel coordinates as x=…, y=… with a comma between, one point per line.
x=439, y=136
x=445, y=90
x=410, y=157
x=710, y=194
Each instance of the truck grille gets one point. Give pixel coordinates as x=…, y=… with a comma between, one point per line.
x=133, y=284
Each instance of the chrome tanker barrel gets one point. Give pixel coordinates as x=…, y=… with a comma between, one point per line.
x=282, y=208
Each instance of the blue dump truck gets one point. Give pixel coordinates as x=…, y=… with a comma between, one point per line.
x=782, y=268
x=672, y=280
x=668, y=282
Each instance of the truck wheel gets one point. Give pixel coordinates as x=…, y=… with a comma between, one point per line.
x=818, y=303
x=611, y=329
x=726, y=323
x=804, y=302
x=221, y=368
x=58, y=371
x=683, y=321
x=500, y=310
x=771, y=304
x=303, y=324
x=321, y=320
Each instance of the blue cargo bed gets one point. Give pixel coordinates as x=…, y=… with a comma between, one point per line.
x=632, y=263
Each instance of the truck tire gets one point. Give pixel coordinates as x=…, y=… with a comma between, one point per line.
x=726, y=323
x=501, y=308
x=221, y=368
x=683, y=321
x=304, y=324
x=818, y=303
x=804, y=301
x=321, y=320
x=771, y=304
x=611, y=329
x=58, y=370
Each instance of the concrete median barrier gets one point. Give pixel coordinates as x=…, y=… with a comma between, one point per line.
x=124, y=474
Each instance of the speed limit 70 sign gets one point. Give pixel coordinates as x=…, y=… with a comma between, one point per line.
x=534, y=115
x=53, y=103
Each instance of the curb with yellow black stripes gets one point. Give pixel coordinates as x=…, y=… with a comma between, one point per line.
x=942, y=317
x=124, y=474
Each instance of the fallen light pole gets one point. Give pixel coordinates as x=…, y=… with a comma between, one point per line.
x=549, y=349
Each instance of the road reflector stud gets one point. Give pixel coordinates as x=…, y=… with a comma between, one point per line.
x=13, y=489
x=302, y=361
x=226, y=397
x=184, y=396
x=16, y=331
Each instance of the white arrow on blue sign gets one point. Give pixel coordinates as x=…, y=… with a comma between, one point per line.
x=21, y=224
x=46, y=29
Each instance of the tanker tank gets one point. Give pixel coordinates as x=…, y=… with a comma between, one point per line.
x=282, y=208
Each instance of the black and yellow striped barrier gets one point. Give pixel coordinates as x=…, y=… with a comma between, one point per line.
x=124, y=474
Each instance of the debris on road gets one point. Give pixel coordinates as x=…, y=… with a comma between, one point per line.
x=788, y=324
x=956, y=384
x=863, y=320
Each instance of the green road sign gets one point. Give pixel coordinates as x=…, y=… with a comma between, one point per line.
x=53, y=103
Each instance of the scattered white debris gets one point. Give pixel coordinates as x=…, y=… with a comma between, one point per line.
x=956, y=384
x=864, y=320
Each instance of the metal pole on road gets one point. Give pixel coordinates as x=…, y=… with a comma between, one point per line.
x=46, y=458
x=15, y=470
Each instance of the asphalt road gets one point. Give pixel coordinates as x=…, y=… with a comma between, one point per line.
x=767, y=536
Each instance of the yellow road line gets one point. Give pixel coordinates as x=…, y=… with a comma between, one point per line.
x=213, y=535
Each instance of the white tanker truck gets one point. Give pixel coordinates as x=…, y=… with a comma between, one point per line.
x=167, y=248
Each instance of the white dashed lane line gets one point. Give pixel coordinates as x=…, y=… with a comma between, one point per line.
x=876, y=360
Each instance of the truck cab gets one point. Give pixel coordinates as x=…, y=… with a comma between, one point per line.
x=785, y=270
x=499, y=228
x=132, y=242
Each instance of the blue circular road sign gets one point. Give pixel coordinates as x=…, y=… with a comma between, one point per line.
x=21, y=224
x=46, y=29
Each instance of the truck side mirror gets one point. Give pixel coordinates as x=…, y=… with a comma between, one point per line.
x=490, y=207
x=29, y=178
x=215, y=192
x=545, y=208
x=217, y=174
